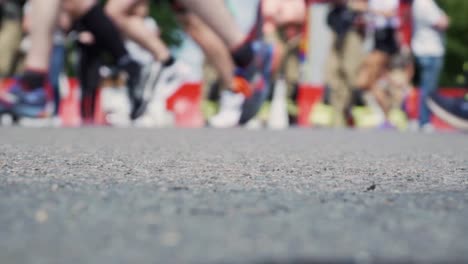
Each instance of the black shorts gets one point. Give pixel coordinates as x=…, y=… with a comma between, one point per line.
x=386, y=41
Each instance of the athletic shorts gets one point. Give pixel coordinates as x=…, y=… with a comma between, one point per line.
x=385, y=41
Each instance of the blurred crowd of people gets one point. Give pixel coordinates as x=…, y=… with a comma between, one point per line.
x=369, y=87
x=376, y=46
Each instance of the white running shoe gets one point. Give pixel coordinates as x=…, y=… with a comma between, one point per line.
x=171, y=79
x=162, y=84
x=116, y=106
x=230, y=110
x=144, y=90
x=156, y=116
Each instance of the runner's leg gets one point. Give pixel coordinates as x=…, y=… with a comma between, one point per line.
x=213, y=47
x=218, y=17
x=91, y=15
x=26, y=96
x=134, y=27
x=43, y=20
x=225, y=26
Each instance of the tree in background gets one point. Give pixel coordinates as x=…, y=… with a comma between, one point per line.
x=171, y=32
x=455, y=71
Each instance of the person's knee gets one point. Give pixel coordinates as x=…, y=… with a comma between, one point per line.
x=364, y=79
x=203, y=35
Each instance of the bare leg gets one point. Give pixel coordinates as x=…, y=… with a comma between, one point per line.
x=373, y=67
x=212, y=45
x=215, y=14
x=15, y=97
x=77, y=8
x=108, y=37
x=43, y=20
x=135, y=28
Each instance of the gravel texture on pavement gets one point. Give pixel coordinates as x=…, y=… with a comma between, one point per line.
x=208, y=196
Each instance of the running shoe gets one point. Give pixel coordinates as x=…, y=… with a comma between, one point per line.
x=322, y=115
x=161, y=82
x=398, y=118
x=454, y=111
x=136, y=81
x=257, y=75
x=231, y=104
x=35, y=103
x=171, y=79
x=150, y=76
x=230, y=110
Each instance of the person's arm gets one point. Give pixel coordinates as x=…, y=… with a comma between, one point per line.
x=443, y=22
x=26, y=23
x=64, y=21
x=360, y=6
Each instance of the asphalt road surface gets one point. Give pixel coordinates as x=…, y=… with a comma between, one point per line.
x=231, y=196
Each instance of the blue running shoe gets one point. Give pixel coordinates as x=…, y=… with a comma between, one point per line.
x=19, y=102
x=258, y=75
x=454, y=111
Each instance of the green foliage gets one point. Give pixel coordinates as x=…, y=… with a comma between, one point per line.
x=455, y=72
x=170, y=30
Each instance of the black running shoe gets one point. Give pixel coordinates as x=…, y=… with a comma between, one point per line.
x=454, y=111
x=136, y=79
x=150, y=76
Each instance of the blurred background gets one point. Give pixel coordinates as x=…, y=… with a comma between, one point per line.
x=455, y=69
x=318, y=90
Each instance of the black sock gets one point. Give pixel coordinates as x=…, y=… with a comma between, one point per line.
x=243, y=55
x=33, y=79
x=104, y=30
x=169, y=62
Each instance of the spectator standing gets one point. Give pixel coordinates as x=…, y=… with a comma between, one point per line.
x=344, y=61
x=384, y=22
x=428, y=45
